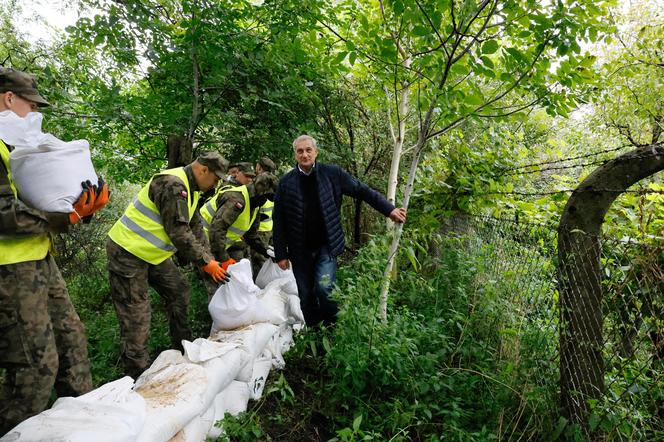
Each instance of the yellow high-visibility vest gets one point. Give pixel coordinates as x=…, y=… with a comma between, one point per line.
x=140, y=231
x=266, y=223
x=241, y=224
x=20, y=248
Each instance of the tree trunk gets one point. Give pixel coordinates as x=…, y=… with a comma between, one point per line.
x=179, y=151
x=579, y=272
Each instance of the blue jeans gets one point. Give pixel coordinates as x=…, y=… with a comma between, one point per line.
x=315, y=273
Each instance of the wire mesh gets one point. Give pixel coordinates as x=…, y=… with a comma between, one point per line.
x=599, y=309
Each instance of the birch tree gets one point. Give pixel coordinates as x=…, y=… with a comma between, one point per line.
x=444, y=62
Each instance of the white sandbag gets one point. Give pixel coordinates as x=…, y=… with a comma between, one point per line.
x=233, y=399
x=235, y=304
x=174, y=390
x=270, y=271
x=222, y=362
x=279, y=344
x=262, y=368
x=295, y=315
x=197, y=429
x=222, y=371
x=40, y=158
x=252, y=339
x=202, y=349
x=112, y=412
x=276, y=304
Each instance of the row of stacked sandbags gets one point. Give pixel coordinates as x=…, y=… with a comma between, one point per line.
x=181, y=396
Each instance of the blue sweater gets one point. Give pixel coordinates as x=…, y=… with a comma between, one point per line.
x=289, y=233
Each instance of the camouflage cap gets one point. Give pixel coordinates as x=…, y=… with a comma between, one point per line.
x=267, y=164
x=215, y=162
x=265, y=184
x=22, y=84
x=246, y=168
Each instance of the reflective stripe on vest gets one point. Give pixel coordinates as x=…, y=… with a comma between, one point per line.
x=20, y=248
x=241, y=224
x=140, y=230
x=266, y=222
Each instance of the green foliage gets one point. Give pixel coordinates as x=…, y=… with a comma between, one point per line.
x=449, y=361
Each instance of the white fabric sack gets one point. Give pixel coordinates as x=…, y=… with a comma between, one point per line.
x=251, y=339
x=295, y=315
x=197, y=429
x=262, y=368
x=276, y=304
x=112, y=412
x=222, y=362
x=202, y=349
x=270, y=271
x=279, y=344
x=235, y=304
x=221, y=372
x=47, y=171
x=233, y=399
x=174, y=390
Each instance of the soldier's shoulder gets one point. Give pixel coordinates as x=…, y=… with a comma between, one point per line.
x=169, y=184
x=233, y=200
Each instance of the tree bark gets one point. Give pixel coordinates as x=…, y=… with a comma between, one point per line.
x=179, y=151
x=579, y=276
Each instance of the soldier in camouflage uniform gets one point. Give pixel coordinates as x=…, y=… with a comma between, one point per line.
x=232, y=222
x=162, y=219
x=42, y=339
x=263, y=165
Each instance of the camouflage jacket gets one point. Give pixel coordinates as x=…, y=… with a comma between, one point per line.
x=16, y=218
x=229, y=206
x=170, y=196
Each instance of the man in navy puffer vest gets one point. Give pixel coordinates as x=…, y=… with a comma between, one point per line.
x=307, y=226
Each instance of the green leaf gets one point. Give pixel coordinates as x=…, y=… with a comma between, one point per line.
x=516, y=54
x=340, y=57
x=475, y=99
x=357, y=422
x=560, y=427
x=489, y=47
x=421, y=31
x=410, y=254
x=351, y=58
x=487, y=62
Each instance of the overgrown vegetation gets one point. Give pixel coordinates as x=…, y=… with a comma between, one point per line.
x=505, y=119
x=463, y=356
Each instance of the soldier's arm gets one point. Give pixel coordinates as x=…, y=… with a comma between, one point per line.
x=17, y=218
x=172, y=199
x=196, y=225
x=255, y=241
x=230, y=208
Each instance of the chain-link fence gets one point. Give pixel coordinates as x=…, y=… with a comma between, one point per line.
x=595, y=310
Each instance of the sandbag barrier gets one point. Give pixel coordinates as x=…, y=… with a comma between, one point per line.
x=181, y=396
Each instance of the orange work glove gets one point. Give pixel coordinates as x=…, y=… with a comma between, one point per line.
x=229, y=262
x=215, y=271
x=103, y=195
x=84, y=206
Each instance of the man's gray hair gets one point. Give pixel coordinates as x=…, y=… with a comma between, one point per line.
x=304, y=138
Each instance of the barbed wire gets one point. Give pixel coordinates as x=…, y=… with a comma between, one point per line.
x=563, y=160
x=514, y=172
x=555, y=192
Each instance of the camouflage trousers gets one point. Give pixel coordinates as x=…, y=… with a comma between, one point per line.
x=130, y=278
x=42, y=341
